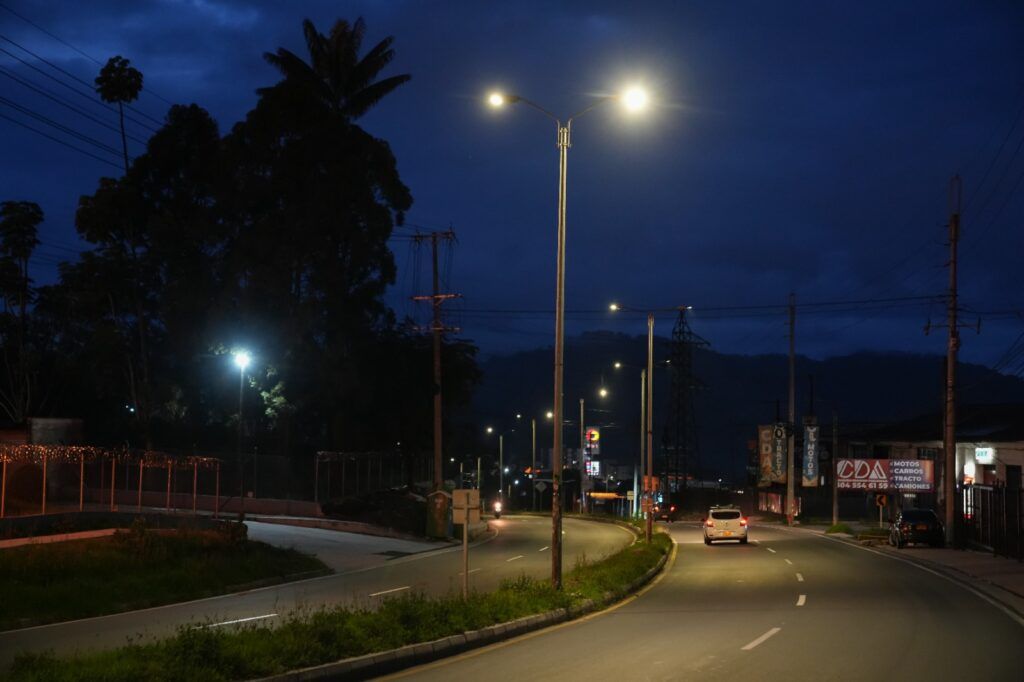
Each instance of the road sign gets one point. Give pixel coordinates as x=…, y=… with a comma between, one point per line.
x=629, y=495
x=541, y=486
x=881, y=500
x=646, y=504
x=651, y=483
x=465, y=503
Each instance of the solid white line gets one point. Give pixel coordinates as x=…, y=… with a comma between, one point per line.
x=802, y=600
x=543, y=548
x=471, y=571
x=514, y=558
x=397, y=589
x=977, y=593
x=771, y=550
x=239, y=620
x=788, y=562
x=799, y=577
x=760, y=640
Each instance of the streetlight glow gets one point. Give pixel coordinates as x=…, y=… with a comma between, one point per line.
x=550, y=414
x=490, y=429
x=603, y=393
x=618, y=365
x=496, y=99
x=614, y=307
x=242, y=359
x=635, y=98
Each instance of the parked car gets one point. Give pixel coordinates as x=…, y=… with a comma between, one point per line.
x=725, y=523
x=916, y=526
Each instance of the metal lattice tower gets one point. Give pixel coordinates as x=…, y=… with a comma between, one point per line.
x=682, y=452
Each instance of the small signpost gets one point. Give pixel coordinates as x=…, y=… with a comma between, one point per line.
x=465, y=510
x=881, y=501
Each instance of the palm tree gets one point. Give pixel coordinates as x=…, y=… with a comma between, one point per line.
x=119, y=83
x=336, y=76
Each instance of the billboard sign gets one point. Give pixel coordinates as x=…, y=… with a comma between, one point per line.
x=900, y=475
x=810, y=473
x=764, y=455
x=593, y=467
x=593, y=441
x=780, y=443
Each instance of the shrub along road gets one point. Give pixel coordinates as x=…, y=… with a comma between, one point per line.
x=519, y=547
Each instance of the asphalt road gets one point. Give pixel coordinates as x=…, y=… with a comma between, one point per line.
x=788, y=606
x=368, y=569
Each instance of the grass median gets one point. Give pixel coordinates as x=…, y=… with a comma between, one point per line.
x=308, y=639
x=134, y=569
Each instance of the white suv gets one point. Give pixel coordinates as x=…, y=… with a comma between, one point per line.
x=725, y=523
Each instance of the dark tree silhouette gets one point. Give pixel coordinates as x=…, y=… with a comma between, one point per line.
x=119, y=83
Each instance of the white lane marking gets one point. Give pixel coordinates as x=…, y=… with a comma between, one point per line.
x=978, y=593
x=471, y=571
x=514, y=558
x=543, y=548
x=771, y=550
x=802, y=600
x=761, y=639
x=240, y=620
x=397, y=589
x=788, y=562
x=799, y=577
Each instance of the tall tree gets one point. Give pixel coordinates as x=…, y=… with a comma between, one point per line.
x=19, y=224
x=119, y=83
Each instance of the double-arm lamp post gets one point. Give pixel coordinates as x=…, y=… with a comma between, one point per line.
x=634, y=99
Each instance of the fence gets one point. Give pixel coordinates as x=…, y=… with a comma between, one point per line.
x=994, y=519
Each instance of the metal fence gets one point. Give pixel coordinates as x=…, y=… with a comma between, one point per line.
x=994, y=519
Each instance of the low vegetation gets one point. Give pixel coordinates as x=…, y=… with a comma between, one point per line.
x=135, y=569
x=307, y=639
x=840, y=528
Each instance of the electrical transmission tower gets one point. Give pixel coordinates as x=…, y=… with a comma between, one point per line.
x=682, y=452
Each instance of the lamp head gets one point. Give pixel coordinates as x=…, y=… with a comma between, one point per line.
x=490, y=429
x=635, y=98
x=242, y=359
x=614, y=307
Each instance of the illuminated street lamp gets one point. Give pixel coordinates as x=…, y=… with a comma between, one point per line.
x=634, y=99
x=242, y=360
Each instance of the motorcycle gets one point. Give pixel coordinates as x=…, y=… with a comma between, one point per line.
x=497, y=510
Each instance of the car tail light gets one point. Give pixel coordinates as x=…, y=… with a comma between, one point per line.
x=743, y=522
x=673, y=508
x=905, y=527
x=710, y=523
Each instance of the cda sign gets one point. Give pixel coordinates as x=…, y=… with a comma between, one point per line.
x=910, y=475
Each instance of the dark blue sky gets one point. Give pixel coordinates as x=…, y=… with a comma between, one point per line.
x=798, y=146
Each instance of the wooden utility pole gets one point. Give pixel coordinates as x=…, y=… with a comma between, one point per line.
x=835, y=467
x=791, y=441
x=437, y=515
x=953, y=345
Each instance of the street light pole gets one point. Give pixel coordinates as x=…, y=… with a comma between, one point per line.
x=501, y=464
x=533, y=463
x=583, y=459
x=643, y=428
x=242, y=359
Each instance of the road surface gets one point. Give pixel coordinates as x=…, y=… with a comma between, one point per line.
x=368, y=569
x=789, y=606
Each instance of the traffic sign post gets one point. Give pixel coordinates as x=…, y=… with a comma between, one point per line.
x=881, y=501
x=465, y=510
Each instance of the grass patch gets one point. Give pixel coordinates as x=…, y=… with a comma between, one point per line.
x=135, y=569
x=840, y=528
x=307, y=639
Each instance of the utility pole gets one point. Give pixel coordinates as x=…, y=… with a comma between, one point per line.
x=582, y=463
x=835, y=467
x=649, y=486
x=790, y=501
x=437, y=514
x=533, y=463
x=643, y=436
x=953, y=345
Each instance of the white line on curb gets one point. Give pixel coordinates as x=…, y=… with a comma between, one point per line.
x=514, y=558
x=802, y=600
x=771, y=550
x=761, y=639
x=789, y=562
x=472, y=570
x=240, y=620
x=799, y=577
x=397, y=589
x=543, y=548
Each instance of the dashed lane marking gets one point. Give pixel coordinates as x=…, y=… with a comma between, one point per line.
x=761, y=639
x=240, y=620
x=397, y=589
x=802, y=600
x=543, y=548
x=799, y=577
x=771, y=550
x=788, y=562
x=514, y=558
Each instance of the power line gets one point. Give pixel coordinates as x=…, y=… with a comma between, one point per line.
x=63, y=128
x=69, y=45
x=59, y=141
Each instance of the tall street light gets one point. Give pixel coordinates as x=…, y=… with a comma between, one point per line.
x=242, y=360
x=634, y=99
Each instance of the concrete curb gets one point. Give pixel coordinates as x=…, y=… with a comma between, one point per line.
x=385, y=662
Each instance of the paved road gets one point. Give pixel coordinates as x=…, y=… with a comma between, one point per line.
x=788, y=606
x=365, y=575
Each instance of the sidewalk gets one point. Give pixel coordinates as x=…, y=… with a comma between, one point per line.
x=999, y=578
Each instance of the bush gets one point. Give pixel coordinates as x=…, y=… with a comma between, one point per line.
x=840, y=528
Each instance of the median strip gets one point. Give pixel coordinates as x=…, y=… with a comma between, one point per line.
x=761, y=639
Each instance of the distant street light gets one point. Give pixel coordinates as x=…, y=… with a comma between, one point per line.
x=634, y=99
x=603, y=392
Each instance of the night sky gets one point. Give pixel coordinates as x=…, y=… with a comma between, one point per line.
x=798, y=146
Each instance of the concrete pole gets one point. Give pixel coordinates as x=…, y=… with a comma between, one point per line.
x=791, y=441
x=953, y=345
x=643, y=435
x=835, y=467
x=113, y=481
x=478, y=472
x=557, y=454
x=501, y=465
x=583, y=460
x=533, y=464
x=142, y=467
x=649, y=486
x=3, y=486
